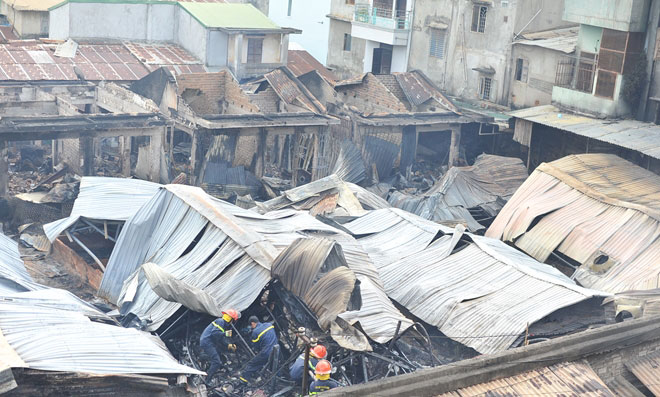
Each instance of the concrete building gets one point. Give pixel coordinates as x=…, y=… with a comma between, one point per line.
x=463, y=46
x=309, y=16
x=233, y=36
x=535, y=57
x=29, y=17
x=610, y=42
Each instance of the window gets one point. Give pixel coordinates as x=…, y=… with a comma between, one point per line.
x=586, y=72
x=255, y=49
x=485, y=85
x=522, y=67
x=288, y=11
x=605, y=84
x=504, y=3
x=437, y=48
x=352, y=2
x=479, y=19
x=347, y=42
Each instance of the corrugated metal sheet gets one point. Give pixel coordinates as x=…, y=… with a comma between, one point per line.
x=292, y=91
x=647, y=370
x=484, y=295
x=301, y=62
x=51, y=329
x=559, y=380
x=630, y=134
x=349, y=166
x=31, y=60
x=562, y=40
x=597, y=209
x=102, y=198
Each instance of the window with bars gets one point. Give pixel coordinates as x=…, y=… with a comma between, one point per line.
x=485, y=88
x=347, y=42
x=605, y=84
x=586, y=72
x=255, y=50
x=437, y=45
x=479, y=19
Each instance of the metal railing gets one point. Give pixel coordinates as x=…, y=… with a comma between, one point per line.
x=577, y=73
x=383, y=17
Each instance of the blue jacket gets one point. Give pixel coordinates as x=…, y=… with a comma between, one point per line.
x=264, y=337
x=216, y=329
x=296, y=369
x=319, y=386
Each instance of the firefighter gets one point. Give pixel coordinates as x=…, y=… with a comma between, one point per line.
x=264, y=339
x=296, y=369
x=323, y=381
x=216, y=340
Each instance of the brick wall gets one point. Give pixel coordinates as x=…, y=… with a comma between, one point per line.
x=214, y=93
x=370, y=96
x=389, y=81
x=267, y=100
x=611, y=364
x=69, y=150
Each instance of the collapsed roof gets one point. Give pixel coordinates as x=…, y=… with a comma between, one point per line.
x=587, y=207
x=219, y=255
x=51, y=329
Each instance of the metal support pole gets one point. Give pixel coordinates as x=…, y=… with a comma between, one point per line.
x=242, y=339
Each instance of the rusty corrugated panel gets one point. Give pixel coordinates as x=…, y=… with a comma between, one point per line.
x=597, y=209
x=416, y=93
x=647, y=370
x=301, y=62
x=287, y=87
x=30, y=60
x=565, y=380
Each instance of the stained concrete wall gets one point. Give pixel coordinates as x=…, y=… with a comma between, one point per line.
x=114, y=21
x=28, y=24
x=588, y=103
x=624, y=15
x=344, y=63
x=536, y=89
x=311, y=18
x=589, y=38
x=191, y=35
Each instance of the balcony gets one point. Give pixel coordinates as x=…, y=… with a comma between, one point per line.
x=383, y=25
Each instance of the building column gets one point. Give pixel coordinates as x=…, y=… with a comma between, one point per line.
x=260, y=163
x=86, y=144
x=193, y=155
x=156, y=152
x=284, y=49
x=454, y=148
x=4, y=169
x=238, y=55
x=125, y=155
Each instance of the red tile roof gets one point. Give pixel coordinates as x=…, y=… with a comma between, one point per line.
x=7, y=33
x=301, y=62
x=34, y=60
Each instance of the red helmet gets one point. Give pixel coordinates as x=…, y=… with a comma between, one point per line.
x=231, y=313
x=323, y=367
x=319, y=351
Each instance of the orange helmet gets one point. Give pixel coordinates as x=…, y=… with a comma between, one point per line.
x=319, y=351
x=231, y=313
x=323, y=367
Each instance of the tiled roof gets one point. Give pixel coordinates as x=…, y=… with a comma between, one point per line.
x=33, y=60
x=301, y=62
x=7, y=33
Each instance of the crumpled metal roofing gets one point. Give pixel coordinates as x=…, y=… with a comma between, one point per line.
x=53, y=330
x=597, y=209
x=563, y=40
x=483, y=295
x=247, y=243
x=103, y=198
x=630, y=134
x=349, y=165
x=565, y=379
x=13, y=275
x=647, y=370
x=487, y=184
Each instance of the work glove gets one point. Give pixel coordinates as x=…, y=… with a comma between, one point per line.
x=231, y=347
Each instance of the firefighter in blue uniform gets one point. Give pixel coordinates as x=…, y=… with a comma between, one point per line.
x=264, y=339
x=323, y=381
x=297, y=368
x=215, y=341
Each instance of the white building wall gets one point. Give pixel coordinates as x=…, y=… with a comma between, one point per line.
x=369, y=54
x=399, y=58
x=58, y=27
x=191, y=35
x=311, y=17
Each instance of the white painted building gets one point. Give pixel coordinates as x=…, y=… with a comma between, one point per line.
x=308, y=16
